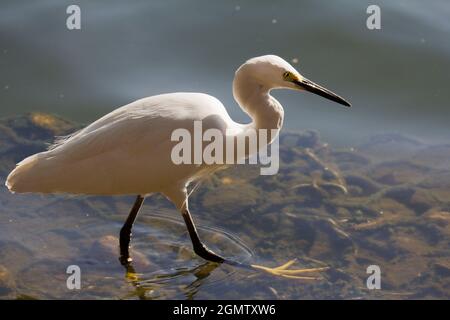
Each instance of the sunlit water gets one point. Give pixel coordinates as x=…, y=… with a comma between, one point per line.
x=384, y=202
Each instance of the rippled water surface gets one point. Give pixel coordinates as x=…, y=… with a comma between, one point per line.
x=383, y=202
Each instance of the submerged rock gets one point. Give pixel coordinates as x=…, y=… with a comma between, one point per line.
x=398, y=172
x=21, y=136
x=106, y=251
x=361, y=186
x=39, y=126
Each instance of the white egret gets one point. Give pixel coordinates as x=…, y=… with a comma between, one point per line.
x=128, y=151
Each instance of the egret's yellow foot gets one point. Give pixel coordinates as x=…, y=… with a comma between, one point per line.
x=132, y=276
x=283, y=271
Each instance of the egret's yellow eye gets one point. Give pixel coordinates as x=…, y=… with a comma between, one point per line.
x=287, y=75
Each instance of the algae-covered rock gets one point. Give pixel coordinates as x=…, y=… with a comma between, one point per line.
x=232, y=198
x=39, y=126
x=21, y=136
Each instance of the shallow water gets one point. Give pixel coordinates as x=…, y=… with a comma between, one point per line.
x=383, y=202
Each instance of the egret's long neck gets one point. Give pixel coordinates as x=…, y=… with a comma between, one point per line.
x=255, y=99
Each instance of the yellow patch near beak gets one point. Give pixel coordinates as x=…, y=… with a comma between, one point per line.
x=291, y=77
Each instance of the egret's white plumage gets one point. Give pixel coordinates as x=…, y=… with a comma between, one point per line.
x=125, y=152
x=128, y=151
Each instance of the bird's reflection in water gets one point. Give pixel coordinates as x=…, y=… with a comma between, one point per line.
x=180, y=283
x=162, y=280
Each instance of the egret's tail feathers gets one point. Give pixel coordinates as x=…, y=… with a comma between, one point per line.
x=28, y=176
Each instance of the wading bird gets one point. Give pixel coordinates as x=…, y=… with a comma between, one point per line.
x=128, y=151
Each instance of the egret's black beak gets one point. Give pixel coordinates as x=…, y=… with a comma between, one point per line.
x=321, y=91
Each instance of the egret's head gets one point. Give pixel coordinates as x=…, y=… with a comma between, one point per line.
x=273, y=72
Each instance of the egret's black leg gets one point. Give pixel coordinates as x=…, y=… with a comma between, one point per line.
x=207, y=254
x=199, y=248
x=125, y=232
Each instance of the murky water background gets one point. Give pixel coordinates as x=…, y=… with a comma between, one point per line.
x=384, y=202
x=396, y=78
